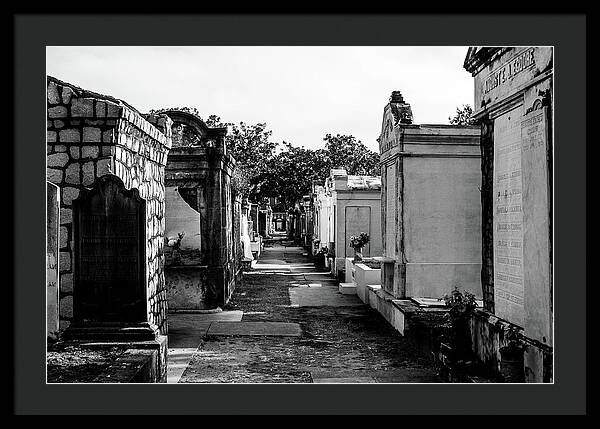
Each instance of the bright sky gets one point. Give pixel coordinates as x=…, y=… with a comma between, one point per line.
x=302, y=93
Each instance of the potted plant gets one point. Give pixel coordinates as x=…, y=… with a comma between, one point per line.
x=357, y=242
x=462, y=306
x=512, y=356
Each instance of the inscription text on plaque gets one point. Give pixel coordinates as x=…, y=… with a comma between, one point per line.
x=508, y=218
x=109, y=254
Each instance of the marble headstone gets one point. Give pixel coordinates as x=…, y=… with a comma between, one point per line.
x=52, y=268
x=110, y=244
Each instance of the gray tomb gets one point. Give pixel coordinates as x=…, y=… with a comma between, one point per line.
x=358, y=219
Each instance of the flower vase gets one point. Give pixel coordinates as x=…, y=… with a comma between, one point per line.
x=358, y=254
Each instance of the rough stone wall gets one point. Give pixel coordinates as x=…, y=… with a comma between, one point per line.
x=88, y=136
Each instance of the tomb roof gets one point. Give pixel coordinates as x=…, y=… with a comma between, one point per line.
x=81, y=92
x=364, y=182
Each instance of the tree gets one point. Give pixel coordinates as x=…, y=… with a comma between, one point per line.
x=252, y=149
x=249, y=144
x=290, y=174
x=463, y=116
x=344, y=151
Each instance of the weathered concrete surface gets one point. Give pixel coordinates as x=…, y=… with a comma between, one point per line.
x=335, y=380
x=274, y=329
x=185, y=333
x=338, y=343
x=179, y=359
x=321, y=297
x=187, y=330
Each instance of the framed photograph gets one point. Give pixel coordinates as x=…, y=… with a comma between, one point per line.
x=253, y=218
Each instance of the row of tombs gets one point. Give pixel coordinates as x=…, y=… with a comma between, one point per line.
x=141, y=219
x=466, y=207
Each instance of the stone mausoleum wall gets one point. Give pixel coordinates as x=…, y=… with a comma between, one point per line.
x=90, y=135
x=513, y=102
x=430, y=205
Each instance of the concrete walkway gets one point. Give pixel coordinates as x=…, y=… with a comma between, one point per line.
x=287, y=323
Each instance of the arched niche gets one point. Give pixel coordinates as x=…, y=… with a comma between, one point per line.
x=189, y=130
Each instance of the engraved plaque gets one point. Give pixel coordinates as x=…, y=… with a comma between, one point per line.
x=109, y=225
x=508, y=218
x=536, y=225
x=357, y=220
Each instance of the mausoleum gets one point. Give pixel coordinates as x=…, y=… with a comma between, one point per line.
x=203, y=216
x=514, y=106
x=347, y=205
x=430, y=205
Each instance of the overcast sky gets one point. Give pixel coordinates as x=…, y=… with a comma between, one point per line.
x=302, y=93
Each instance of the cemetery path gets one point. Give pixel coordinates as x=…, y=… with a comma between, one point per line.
x=287, y=323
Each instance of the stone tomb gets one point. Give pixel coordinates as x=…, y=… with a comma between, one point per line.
x=430, y=204
x=110, y=263
x=513, y=102
x=198, y=166
x=521, y=222
x=355, y=207
x=358, y=219
x=52, y=240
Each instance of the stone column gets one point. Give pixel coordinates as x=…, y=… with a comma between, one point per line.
x=487, y=212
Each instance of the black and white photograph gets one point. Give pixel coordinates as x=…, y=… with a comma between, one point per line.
x=306, y=215
x=319, y=219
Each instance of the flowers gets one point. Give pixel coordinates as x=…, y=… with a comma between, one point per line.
x=358, y=241
x=323, y=250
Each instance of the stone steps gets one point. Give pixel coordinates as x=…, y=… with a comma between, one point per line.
x=347, y=288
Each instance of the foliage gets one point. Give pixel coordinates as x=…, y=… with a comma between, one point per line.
x=252, y=148
x=214, y=121
x=240, y=181
x=324, y=250
x=191, y=110
x=358, y=241
x=289, y=175
x=513, y=339
x=344, y=151
x=463, y=116
x=461, y=304
x=262, y=171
